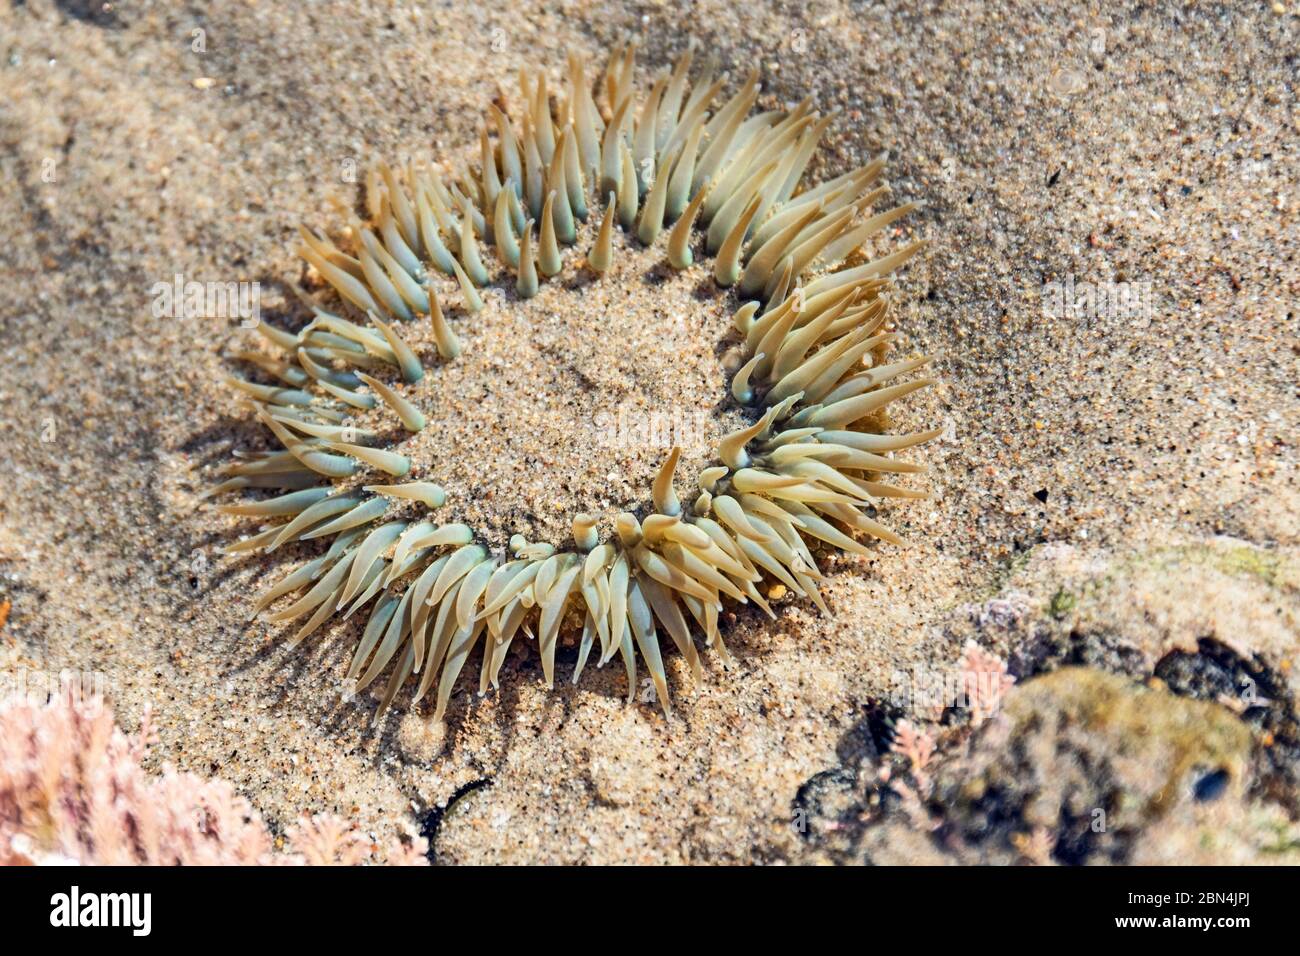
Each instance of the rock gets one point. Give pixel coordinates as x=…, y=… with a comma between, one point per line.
x=1093, y=759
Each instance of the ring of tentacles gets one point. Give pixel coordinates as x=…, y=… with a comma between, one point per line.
x=811, y=319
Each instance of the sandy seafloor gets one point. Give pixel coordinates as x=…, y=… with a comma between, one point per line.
x=1114, y=503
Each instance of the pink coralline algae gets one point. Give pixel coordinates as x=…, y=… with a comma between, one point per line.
x=72, y=791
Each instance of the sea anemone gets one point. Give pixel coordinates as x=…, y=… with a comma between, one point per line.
x=813, y=376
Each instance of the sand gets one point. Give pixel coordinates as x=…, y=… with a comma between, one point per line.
x=1134, y=144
